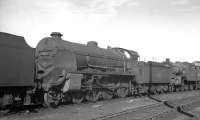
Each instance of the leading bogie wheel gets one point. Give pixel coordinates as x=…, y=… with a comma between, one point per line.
x=51, y=99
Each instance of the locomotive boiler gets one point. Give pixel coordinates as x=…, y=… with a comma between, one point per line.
x=83, y=71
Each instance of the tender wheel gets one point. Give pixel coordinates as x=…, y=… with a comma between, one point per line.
x=51, y=99
x=27, y=100
x=122, y=92
x=152, y=91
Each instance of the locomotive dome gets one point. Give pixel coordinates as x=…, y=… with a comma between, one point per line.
x=56, y=35
x=92, y=44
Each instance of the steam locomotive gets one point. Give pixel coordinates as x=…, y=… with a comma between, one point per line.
x=58, y=70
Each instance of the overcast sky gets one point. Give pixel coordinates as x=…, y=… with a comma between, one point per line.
x=154, y=28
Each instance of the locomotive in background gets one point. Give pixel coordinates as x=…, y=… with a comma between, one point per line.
x=58, y=70
x=185, y=75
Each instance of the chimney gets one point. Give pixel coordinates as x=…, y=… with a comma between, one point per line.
x=56, y=35
x=167, y=60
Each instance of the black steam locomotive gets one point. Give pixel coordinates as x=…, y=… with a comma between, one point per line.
x=59, y=70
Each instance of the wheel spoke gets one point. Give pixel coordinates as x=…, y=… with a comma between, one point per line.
x=51, y=99
x=106, y=95
x=122, y=92
x=77, y=100
x=93, y=96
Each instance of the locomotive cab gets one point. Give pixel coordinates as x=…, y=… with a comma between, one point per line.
x=130, y=59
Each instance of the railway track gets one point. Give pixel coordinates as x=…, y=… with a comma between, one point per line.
x=165, y=110
x=155, y=107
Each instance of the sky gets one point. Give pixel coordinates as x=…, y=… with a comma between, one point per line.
x=156, y=29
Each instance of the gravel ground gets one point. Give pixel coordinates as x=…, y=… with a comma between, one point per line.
x=88, y=111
